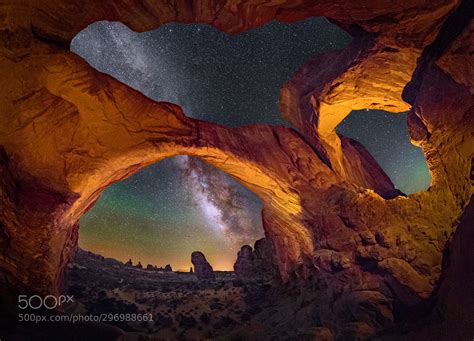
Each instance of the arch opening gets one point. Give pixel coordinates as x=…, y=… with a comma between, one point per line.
x=386, y=136
x=213, y=76
x=160, y=216
x=184, y=81
x=232, y=80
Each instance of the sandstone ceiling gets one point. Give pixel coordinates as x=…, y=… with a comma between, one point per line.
x=68, y=131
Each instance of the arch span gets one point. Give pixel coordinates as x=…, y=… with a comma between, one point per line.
x=106, y=131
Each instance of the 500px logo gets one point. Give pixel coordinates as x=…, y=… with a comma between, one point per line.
x=47, y=302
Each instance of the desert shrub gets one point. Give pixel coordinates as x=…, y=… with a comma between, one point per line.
x=187, y=321
x=204, y=318
x=163, y=321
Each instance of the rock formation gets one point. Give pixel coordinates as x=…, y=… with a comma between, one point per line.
x=259, y=263
x=129, y=262
x=168, y=268
x=202, y=268
x=335, y=219
x=244, y=266
x=139, y=265
x=265, y=258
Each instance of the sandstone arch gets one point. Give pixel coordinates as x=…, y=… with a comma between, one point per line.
x=67, y=132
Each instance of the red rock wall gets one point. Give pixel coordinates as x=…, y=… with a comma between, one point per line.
x=68, y=131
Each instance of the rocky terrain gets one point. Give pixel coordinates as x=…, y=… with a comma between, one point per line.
x=185, y=307
x=182, y=306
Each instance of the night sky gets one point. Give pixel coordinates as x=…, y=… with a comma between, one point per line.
x=166, y=211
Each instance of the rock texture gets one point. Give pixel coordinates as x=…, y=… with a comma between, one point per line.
x=202, y=269
x=244, y=266
x=257, y=263
x=333, y=216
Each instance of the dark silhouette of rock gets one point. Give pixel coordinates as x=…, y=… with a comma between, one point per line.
x=139, y=265
x=150, y=267
x=259, y=263
x=168, y=268
x=265, y=257
x=129, y=263
x=245, y=266
x=191, y=269
x=202, y=268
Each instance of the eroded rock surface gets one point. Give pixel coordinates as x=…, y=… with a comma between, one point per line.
x=202, y=269
x=334, y=217
x=257, y=263
x=244, y=265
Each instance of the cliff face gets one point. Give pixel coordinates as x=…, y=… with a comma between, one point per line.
x=334, y=217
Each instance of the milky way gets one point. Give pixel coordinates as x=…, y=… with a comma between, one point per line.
x=179, y=205
x=219, y=199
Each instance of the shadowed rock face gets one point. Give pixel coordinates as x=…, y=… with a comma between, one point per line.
x=244, y=266
x=202, y=269
x=257, y=263
x=68, y=131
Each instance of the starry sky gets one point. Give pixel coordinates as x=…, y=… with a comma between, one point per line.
x=179, y=205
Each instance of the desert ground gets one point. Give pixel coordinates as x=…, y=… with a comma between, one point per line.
x=181, y=307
